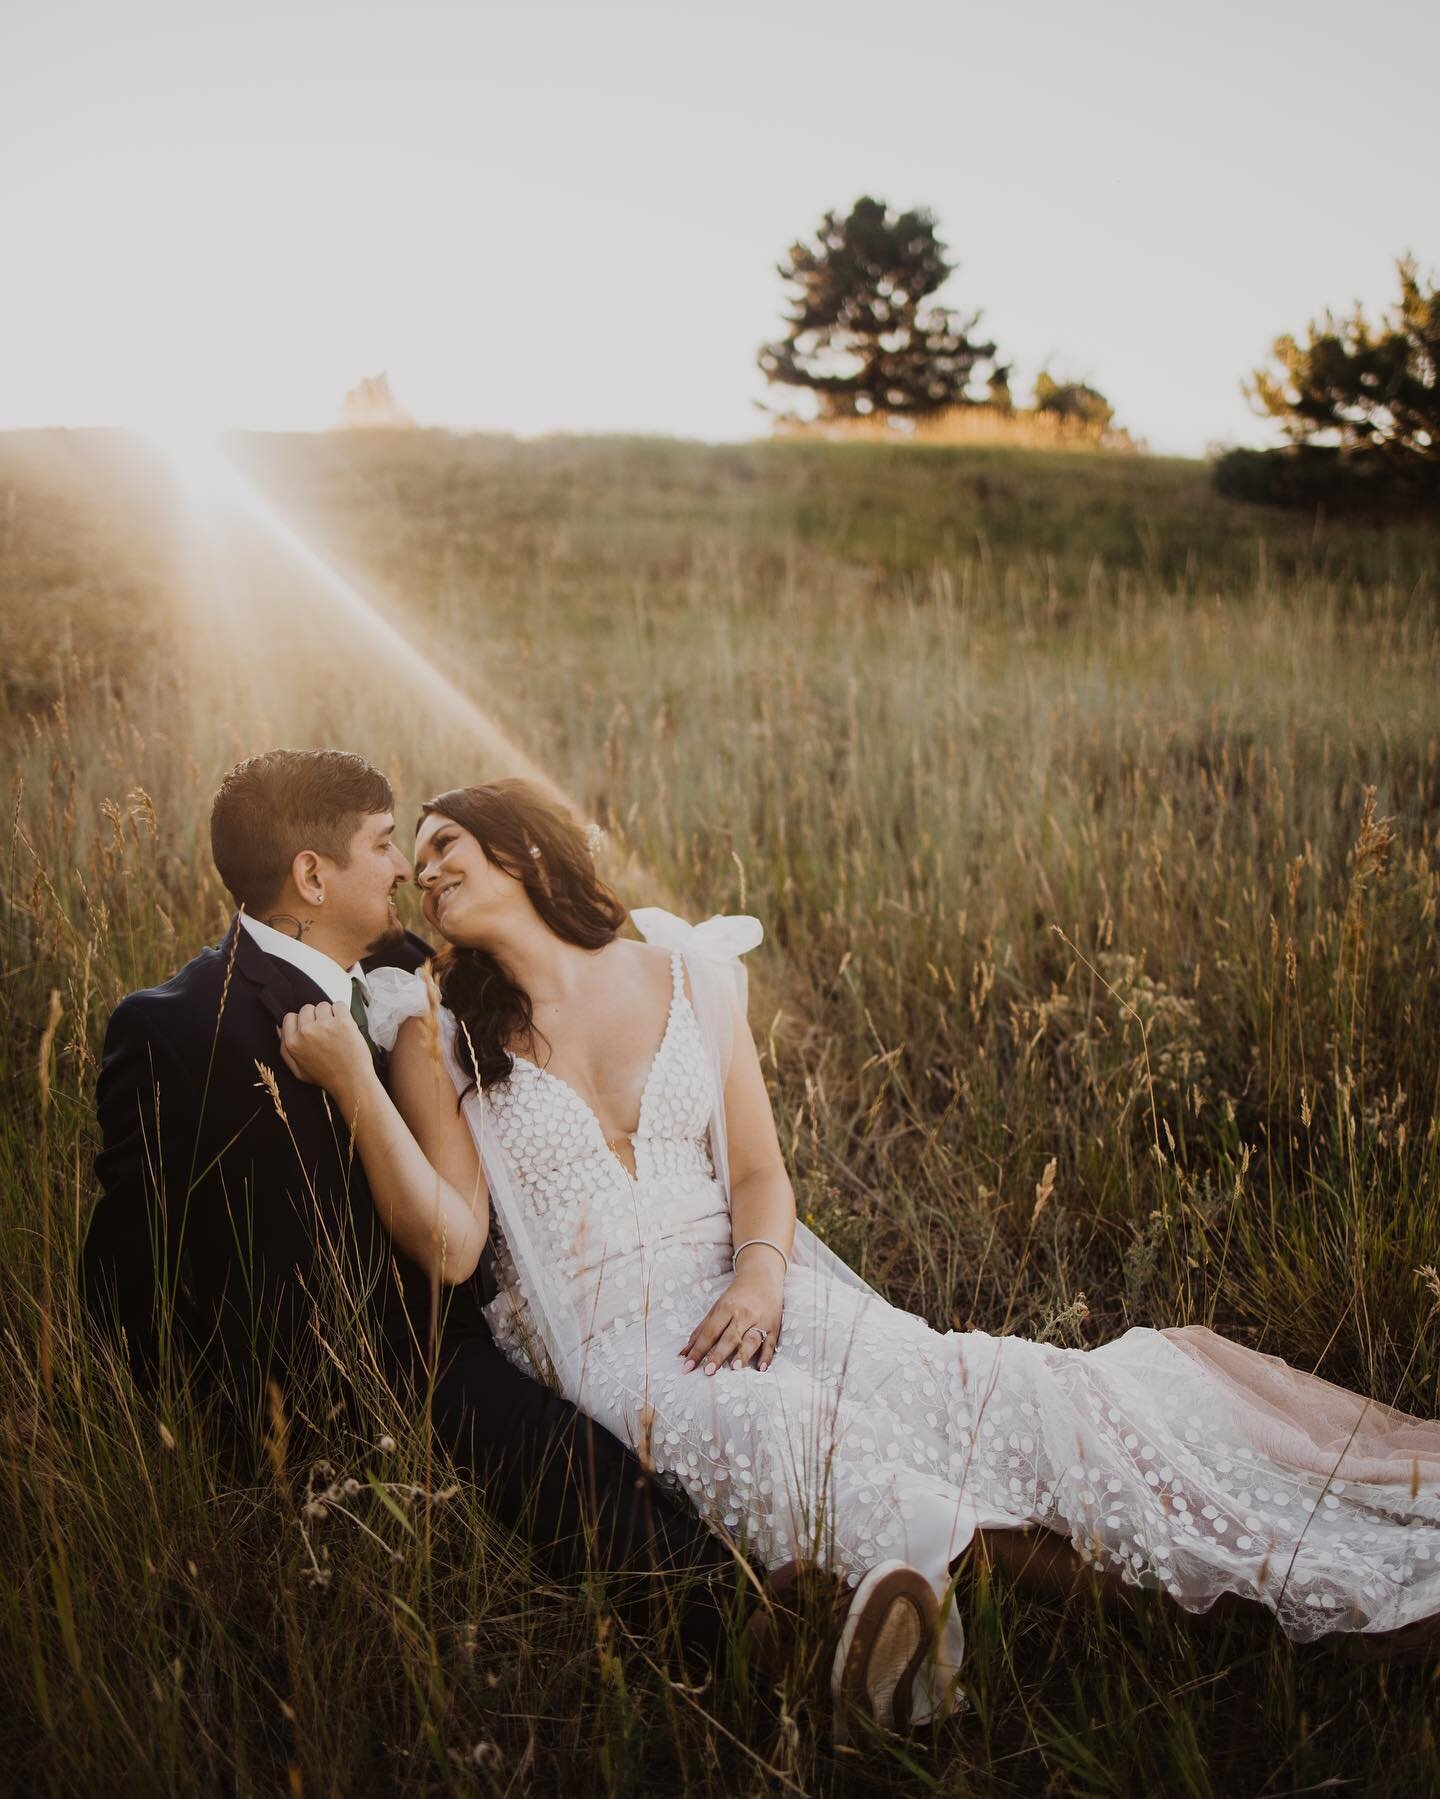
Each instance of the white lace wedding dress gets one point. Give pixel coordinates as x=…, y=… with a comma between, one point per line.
x=1174, y=1456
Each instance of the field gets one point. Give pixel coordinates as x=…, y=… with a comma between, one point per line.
x=1095, y=826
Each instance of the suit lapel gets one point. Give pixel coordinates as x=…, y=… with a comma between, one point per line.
x=281, y=987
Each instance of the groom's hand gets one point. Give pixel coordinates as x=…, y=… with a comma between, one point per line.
x=322, y=1044
x=731, y=1330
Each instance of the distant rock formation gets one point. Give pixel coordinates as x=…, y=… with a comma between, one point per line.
x=370, y=406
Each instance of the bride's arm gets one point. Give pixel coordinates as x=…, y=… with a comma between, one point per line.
x=416, y=1148
x=762, y=1205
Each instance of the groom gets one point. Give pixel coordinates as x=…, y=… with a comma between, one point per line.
x=235, y=1227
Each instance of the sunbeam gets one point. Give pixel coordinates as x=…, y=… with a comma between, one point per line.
x=209, y=484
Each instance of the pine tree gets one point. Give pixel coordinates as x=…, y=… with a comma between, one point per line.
x=861, y=336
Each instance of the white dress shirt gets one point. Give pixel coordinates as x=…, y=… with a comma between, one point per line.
x=333, y=981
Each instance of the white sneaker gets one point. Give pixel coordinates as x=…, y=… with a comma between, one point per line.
x=890, y=1628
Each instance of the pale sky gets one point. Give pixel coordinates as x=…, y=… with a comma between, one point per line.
x=564, y=214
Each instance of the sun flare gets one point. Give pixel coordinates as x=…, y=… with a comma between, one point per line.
x=218, y=495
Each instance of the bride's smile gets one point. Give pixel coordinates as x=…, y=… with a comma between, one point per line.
x=463, y=887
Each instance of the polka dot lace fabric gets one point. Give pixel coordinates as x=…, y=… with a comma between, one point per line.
x=1175, y=1458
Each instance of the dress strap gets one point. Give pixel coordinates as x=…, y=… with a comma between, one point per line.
x=677, y=975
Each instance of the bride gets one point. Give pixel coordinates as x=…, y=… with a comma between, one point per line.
x=613, y=1143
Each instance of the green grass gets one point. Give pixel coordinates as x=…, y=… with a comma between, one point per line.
x=1013, y=753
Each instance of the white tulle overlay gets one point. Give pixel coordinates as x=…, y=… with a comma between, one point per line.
x=1175, y=1457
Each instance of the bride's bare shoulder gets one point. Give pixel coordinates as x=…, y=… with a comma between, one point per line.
x=639, y=961
x=641, y=952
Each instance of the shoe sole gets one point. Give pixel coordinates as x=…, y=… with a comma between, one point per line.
x=890, y=1625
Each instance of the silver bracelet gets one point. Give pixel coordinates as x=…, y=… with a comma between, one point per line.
x=769, y=1243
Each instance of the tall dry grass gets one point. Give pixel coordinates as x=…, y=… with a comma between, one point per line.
x=1099, y=869
x=1021, y=429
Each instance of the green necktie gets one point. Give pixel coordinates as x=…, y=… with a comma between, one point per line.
x=361, y=1017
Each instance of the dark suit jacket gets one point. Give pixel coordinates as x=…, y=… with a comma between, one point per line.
x=245, y=1220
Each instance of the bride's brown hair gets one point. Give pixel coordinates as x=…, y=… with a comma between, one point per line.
x=511, y=820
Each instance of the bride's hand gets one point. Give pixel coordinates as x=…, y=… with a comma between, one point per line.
x=731, y=1330
x=322, y=1044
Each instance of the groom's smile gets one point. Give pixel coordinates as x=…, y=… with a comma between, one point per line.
x=366, y=885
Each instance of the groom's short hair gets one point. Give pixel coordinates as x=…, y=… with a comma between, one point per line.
x=272, y=806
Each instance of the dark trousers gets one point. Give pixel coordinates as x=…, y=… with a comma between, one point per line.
x=579, y=1497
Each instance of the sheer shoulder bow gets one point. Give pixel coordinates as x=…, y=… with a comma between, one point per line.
x=719, y=940
x=395, y=995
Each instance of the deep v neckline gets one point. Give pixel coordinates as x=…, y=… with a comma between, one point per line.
x=677, y=993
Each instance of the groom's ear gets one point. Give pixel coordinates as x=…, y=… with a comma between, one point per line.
x=307, y=874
